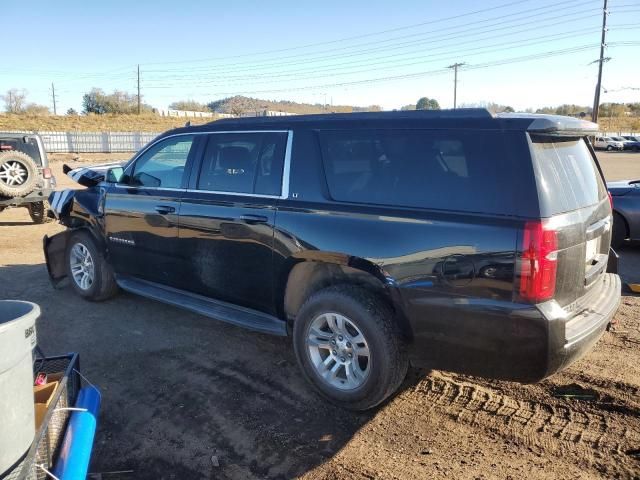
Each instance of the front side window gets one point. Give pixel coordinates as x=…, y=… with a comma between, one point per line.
x=438, y=169
x=162, y=166
x=249, y=163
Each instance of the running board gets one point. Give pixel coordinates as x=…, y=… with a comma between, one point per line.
x=226, y=312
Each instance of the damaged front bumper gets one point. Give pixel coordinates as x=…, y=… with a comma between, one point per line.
x=55, y=248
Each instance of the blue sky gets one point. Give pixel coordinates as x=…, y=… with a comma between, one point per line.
x=522, y=53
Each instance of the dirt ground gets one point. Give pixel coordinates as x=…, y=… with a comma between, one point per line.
x=185, y=397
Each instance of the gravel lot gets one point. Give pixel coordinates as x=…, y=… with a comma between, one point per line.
x=179, y=389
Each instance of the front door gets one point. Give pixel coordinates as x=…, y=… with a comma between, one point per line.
x=141, y=212
x=227, y=218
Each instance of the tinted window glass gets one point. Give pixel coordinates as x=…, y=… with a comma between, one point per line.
x=566, y=174
x=243, y=163
x=162, y=166
x=451, y=170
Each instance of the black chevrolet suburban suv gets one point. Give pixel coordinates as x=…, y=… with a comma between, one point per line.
x=455, y=240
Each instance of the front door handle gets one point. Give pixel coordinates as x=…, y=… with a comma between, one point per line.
x=165, y=209
x=254, y=219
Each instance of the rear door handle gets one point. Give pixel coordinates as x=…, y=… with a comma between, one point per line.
x=165, y=209
x=254, y=219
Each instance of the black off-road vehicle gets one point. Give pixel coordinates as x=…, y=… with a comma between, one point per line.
x=25, y=177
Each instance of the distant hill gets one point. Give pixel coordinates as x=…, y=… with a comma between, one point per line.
x=239, y=104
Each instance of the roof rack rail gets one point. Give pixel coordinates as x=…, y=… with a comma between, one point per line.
x=404, y=114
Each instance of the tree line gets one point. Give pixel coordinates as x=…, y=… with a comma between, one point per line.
x=97, y=102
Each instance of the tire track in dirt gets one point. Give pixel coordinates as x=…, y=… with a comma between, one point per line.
x=539, y=421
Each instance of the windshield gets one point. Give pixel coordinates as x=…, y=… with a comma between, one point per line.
x=566, y=173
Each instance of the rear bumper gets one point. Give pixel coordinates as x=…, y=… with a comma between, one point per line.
x=39, y=195
x=571, y=339
x=507, y=341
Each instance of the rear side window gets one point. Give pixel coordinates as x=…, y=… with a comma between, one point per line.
x=439, y=169
x=566, y=174
x=249, y=163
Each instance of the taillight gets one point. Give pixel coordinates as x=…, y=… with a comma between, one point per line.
x=610, y=200
x=46, y=173
x=539, y=262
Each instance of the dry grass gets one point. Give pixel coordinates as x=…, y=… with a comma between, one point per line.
x=94, y=123
x=155, y=123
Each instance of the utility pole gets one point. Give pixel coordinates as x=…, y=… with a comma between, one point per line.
x=455, y=82
x=53, y=96
x=138, y=89
x=596, y=99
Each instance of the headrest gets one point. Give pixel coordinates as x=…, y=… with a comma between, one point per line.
x=236, y=158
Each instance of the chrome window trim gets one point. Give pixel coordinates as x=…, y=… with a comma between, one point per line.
x=284, y=184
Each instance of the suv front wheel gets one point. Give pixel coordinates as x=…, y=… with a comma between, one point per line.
x=90, y=274
x=349, y=347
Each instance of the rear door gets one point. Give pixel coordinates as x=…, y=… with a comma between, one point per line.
x=227, y=218
x=141, y=212
x=574, y=203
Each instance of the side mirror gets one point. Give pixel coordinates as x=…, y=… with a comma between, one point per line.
x=115, y=174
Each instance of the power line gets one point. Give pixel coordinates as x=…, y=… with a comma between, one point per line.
x=355, y=37
x=228, y=74
x=462, y=32
x=367, y=68
x=393, y=63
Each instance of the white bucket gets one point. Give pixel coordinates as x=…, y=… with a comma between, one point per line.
x=17, y=340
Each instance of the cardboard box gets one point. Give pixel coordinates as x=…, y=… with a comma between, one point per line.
x=42, y=396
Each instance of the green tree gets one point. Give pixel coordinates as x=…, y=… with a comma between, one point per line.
x=427, y=104
x=98, y=102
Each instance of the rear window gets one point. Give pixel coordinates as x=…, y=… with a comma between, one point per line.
x=30, y=147
x=566, y=174
x=437, y=169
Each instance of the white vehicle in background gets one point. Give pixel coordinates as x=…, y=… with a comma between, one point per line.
x=608, y=143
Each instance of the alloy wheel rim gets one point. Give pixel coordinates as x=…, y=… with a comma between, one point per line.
x=82, y=266
x=338, y=351
x=13, y=173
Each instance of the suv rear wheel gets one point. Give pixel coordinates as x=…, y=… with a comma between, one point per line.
x=38, y=212
x=349, y=347
x=18, y=174
x=90, y=274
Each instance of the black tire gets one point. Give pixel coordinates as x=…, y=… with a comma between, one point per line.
x=609, y=148
x=375, y=320
x=619, y=233
x=103, y=285
x=38, y=212
x=11, y=162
